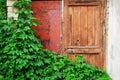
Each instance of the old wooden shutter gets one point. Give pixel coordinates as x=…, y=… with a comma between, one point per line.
x=82, y=31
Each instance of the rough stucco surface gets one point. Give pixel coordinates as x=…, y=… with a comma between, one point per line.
x=113, y=52
x=48, y=13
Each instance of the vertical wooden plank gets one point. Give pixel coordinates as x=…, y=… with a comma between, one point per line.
x=76, y=26
x=64, y=29
x=73, y=26
x=70, y=26
x=84, y=28
x=91, y=26
x=79, y=24
x=98, y=27
x=104, y=8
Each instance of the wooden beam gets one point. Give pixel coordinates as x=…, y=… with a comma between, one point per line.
x=85, y=4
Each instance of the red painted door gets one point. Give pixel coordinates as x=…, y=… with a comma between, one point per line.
x=48, y=13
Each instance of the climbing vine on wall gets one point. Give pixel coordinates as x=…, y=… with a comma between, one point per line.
x=3, y=11
x=22, y=56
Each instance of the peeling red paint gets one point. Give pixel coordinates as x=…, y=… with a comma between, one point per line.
x=48, y=12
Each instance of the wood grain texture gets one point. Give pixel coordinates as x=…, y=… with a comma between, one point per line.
x=84, y=26
x=86, y=29
x=98, y=28
x=91, y=25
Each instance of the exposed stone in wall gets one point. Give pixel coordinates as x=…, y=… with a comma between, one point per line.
x=11, y=10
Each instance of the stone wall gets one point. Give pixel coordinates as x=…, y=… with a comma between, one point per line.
x=11, y=10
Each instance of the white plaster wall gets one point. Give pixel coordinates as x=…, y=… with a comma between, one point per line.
x=113, y=46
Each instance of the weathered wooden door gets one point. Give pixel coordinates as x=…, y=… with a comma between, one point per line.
x=84, y=30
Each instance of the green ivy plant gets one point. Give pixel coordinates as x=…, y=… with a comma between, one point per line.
x=22, y=56
x=3, y=11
